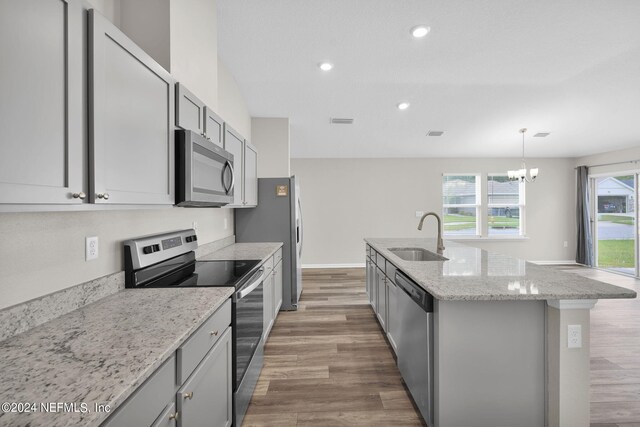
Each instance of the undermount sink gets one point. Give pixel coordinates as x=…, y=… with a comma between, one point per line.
x=416, y=254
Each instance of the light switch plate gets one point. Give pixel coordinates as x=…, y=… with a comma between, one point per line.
x=574, y=336
x=91, y=248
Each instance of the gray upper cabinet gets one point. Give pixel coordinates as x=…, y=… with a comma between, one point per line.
x=41, y=156
x=131, y=121
x=213, y=127
x=250, y=175
x=245, y=164
x=194, y=115
x=189, y=110
x=234, y=144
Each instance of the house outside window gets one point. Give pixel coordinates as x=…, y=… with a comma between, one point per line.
x=467, y=213
x=461, y=202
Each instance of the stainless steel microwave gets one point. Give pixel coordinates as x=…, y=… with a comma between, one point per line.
x=204, y=172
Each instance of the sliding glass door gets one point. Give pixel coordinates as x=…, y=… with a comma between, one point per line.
x=615, y=218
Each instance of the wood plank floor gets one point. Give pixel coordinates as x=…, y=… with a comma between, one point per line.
x=328, y=363
x=615, y=354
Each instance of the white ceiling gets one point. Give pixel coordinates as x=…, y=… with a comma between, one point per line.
x=487, y=69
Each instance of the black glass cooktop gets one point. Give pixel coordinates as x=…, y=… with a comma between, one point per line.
x=176, y=273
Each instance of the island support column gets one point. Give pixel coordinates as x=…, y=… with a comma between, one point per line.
x=568, y=368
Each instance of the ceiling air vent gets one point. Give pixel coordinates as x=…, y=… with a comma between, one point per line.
x=337, y=121
x=435, y=133
x=542, y=134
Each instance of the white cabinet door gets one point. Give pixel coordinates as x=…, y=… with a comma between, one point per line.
x=234, y=144
x=213, y=127
x=41, y=102
x=189, y=110
x=392, y=313
x=131, y=121
x=250, y=175
x=381, y=308
x=277, y=289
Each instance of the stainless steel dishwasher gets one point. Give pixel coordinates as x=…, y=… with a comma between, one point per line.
x=415, y=343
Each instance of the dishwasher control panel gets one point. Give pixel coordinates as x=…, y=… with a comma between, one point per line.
x=415, y=292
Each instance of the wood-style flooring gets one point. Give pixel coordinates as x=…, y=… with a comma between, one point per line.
x=615, y=354
x=328, y=363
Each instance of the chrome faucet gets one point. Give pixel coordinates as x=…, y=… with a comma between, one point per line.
x=440, y=242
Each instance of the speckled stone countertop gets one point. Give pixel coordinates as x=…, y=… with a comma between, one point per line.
x=101, y=352
x=244, y=251
x=475, y=274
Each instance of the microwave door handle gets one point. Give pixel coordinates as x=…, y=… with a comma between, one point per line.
x=233, y=176
x=224, y=181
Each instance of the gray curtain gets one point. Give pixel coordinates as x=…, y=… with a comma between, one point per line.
x=584, y=251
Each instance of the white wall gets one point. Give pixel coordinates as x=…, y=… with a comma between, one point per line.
x=271, y=136
x=232, y=107
x=43, y=252
x=345, y=200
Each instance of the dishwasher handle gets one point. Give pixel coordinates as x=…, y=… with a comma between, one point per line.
x=423, y=298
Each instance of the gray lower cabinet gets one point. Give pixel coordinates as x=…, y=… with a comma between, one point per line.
x=206, y=397
x=149, y=400
x=268, y=305
x=131, y=120
x=277, y=288
x=392, y=313
x=41, y=106
x=381, y=306
x=194, y=387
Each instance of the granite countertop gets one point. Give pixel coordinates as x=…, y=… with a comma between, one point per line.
x=475, y=274
x=100, y=353
x=244, y=251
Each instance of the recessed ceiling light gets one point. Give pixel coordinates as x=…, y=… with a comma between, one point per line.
x=542, y=134
x=403, y=106
x=326, y=66
x=420, y=31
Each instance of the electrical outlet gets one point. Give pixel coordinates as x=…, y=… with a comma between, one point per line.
x=574, y=336
x=91, y=248
x=419, y=214
x=566, y=244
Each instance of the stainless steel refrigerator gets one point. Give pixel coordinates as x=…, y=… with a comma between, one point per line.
x=277, y=218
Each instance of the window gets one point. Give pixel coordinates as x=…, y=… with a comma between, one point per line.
x=505, y=206
x=463, y=205
x=461, y=201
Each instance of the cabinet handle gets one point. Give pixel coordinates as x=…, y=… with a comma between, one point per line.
x=214, y=333
x=188, y=395
x=103, y=196
x=79, y=195
x=174, y=416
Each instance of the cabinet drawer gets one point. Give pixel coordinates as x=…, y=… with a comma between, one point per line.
x=268, y=266
x=196, y=347
x=380, y=261
x=390, y=271
x=148, y=401
x=372, y=255
x=277, y=257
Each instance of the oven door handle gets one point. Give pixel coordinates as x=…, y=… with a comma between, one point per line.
x=249, y=288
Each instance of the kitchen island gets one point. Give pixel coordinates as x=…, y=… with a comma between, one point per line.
x=499, y=339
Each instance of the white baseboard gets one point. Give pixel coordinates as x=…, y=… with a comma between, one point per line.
x=356, y=265
x=556, y=262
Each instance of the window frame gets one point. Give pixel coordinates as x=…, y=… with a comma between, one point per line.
x=482, y=207
x=477, y=205
x=520, y=205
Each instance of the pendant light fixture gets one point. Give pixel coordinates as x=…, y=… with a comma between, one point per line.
x=521, y=174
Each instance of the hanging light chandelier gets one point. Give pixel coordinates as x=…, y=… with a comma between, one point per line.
x=521, y=174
